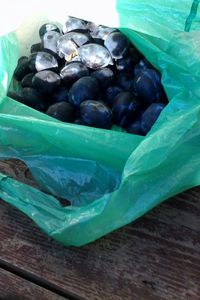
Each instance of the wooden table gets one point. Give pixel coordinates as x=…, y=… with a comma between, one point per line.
x=156, y=257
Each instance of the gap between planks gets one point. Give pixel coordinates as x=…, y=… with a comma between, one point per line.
x=41, y=282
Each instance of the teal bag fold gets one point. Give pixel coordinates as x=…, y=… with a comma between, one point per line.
x=111, y=178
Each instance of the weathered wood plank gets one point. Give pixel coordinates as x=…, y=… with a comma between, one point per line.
x=13, y=287
x=157, y=257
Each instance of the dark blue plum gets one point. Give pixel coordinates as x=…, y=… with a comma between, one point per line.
x=125, y=81
x=135, y=128
x=150, y=116
x=36, y=48
x=27, y=80
x=104, y=76
x=96, y=114
x=46, y=81
x=141, y=66
x=22, y=68
x=49, y=42
x=94, y=56
x=46, y=28
x=148, y=87
x=33, y=98
x=126, y=65
x=61, y=94
x=41, y=61
x=68, y=44
x=117, y=44
x=73, y=23
x=62, y=111
x=111, y=93
x=102, y=32
x=21, y=59
x=125, y=109
x=83, y=89
x=72, y=72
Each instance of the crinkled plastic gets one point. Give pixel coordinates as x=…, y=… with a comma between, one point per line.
x=111, y=177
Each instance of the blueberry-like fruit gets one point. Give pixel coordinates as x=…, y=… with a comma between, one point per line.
x=117, y=44
x=125, y=109
x=36, y=48
x=68, y=44
x=22, y=69
x=62, y=111
x=73, y=24
x=94, y=56
x=102, y=32
x=135, y=128
x=41, y=61
x=46, y=81
x=60, y=94
x=96, y=114
x=150, y=116
x=148, y=87
x=72, y=72
x=27, y=80
x=127, y=64
x=46, y=28
x=33, y=98
x=111, y=93
x=125, y=81
x=105, y=77
x=49, y=42
x=83, y=89
x=141, y=66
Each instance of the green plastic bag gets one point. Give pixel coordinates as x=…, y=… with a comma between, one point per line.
x=110, y=177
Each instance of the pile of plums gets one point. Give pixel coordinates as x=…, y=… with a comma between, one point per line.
x=90, y=75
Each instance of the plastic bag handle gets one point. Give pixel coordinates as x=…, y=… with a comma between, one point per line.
x=192, y=15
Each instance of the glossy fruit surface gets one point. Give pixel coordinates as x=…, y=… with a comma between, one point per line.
x=46, y=28
x=62, y=111
x=102, y=32
x=111, y=93
x=72, y=72
x=93, y=73
x=147, y=85
x=83, y=89
x=135, y=128
x=125, y=109
x=141, y=66
x=42, y=61
x=46, y=81
x=125, y=81
x=104, y=76
x=127, y=64
x=68, y=44
x=94, y=56
x=61, y=94
x=150, y=116
x=96, y=114
x=49, y=41
x=117, y=44
x=73, y=23
x=36, y=48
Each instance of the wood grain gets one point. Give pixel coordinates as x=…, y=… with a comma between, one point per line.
x=13, y=287
x=157, y=257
